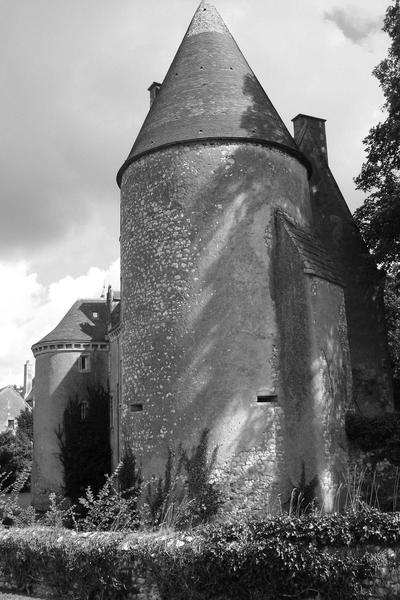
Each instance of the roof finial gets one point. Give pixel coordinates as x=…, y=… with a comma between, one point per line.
x=103, y=291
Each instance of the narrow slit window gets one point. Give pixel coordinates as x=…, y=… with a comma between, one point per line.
x=84, y=410
x=263, y=398
x=136, y=407
x=84, y=363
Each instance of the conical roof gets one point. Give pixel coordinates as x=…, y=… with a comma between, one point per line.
x=86, y=321
x=209, y=92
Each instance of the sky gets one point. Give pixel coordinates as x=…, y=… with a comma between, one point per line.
x=74, y=76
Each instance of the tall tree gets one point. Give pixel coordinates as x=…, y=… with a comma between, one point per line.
x=379, y=216
x=25, y=422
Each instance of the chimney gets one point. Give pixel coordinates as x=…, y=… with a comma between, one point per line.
x=315, y=128
x=109, y=303
x=154, y=89
x=27, y=379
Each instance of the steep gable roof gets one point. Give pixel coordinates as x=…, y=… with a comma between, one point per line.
x=11, y=404
x=315, y=257
x=209, y=92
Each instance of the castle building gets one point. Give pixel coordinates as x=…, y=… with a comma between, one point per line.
x=250, y=307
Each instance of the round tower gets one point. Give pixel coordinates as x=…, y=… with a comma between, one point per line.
x=200, y=191
x=69, y=360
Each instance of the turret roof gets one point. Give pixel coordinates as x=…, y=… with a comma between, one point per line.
x=209, y=92
x=86, y=321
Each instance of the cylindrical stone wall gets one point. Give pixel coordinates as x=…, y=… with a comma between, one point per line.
x=199, y=339
x=57, y=379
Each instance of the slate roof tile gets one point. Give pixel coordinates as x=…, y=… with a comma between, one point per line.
x=80, y=323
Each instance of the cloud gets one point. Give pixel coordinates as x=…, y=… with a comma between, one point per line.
x=29, y=309
x=355, y=25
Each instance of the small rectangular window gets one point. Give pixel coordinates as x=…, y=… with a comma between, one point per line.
x=11, y=424
x=136, y=407
x=95, y=315
x=84, y=363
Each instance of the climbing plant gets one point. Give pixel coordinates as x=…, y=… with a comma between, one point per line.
x=84, y=440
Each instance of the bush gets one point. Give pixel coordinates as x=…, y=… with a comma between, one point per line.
x=15, y=455
x=184, y=497
x=71, y=565
x=110, y=510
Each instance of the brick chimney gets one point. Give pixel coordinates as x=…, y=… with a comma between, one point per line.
x=315, y=128
x=154, y=89
x=27, y=378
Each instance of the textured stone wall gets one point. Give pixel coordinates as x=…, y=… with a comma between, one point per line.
x=114, y=358
x=199, y=341
x=363, y=282
x=315, y=378
x=331, y=384
x=57, y=379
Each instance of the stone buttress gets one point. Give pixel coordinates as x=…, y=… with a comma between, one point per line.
x=364, y=284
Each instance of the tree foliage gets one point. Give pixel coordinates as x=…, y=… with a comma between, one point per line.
x=25, y=423
x=84, y=440
x=392, y=306
x=15, y=455
x=379, y=216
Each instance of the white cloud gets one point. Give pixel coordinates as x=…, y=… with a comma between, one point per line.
x=29, y=310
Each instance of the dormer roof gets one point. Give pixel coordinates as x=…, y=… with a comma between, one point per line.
x=209, y=93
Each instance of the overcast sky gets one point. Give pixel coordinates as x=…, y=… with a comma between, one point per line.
x=74, y=77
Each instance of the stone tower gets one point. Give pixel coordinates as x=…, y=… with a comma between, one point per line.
x=69, y=359
x=233, y=313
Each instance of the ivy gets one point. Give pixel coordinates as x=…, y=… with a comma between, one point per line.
x=272, y=559
x=84, y=442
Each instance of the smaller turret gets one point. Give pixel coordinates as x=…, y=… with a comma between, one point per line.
x=70, y=359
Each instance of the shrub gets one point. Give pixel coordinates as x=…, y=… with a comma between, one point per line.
x=184, y=497
x=205, y=498
x=129, y=474
x=72, y=565
x=272, y=559
x=10, y=489
x=109, y=510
